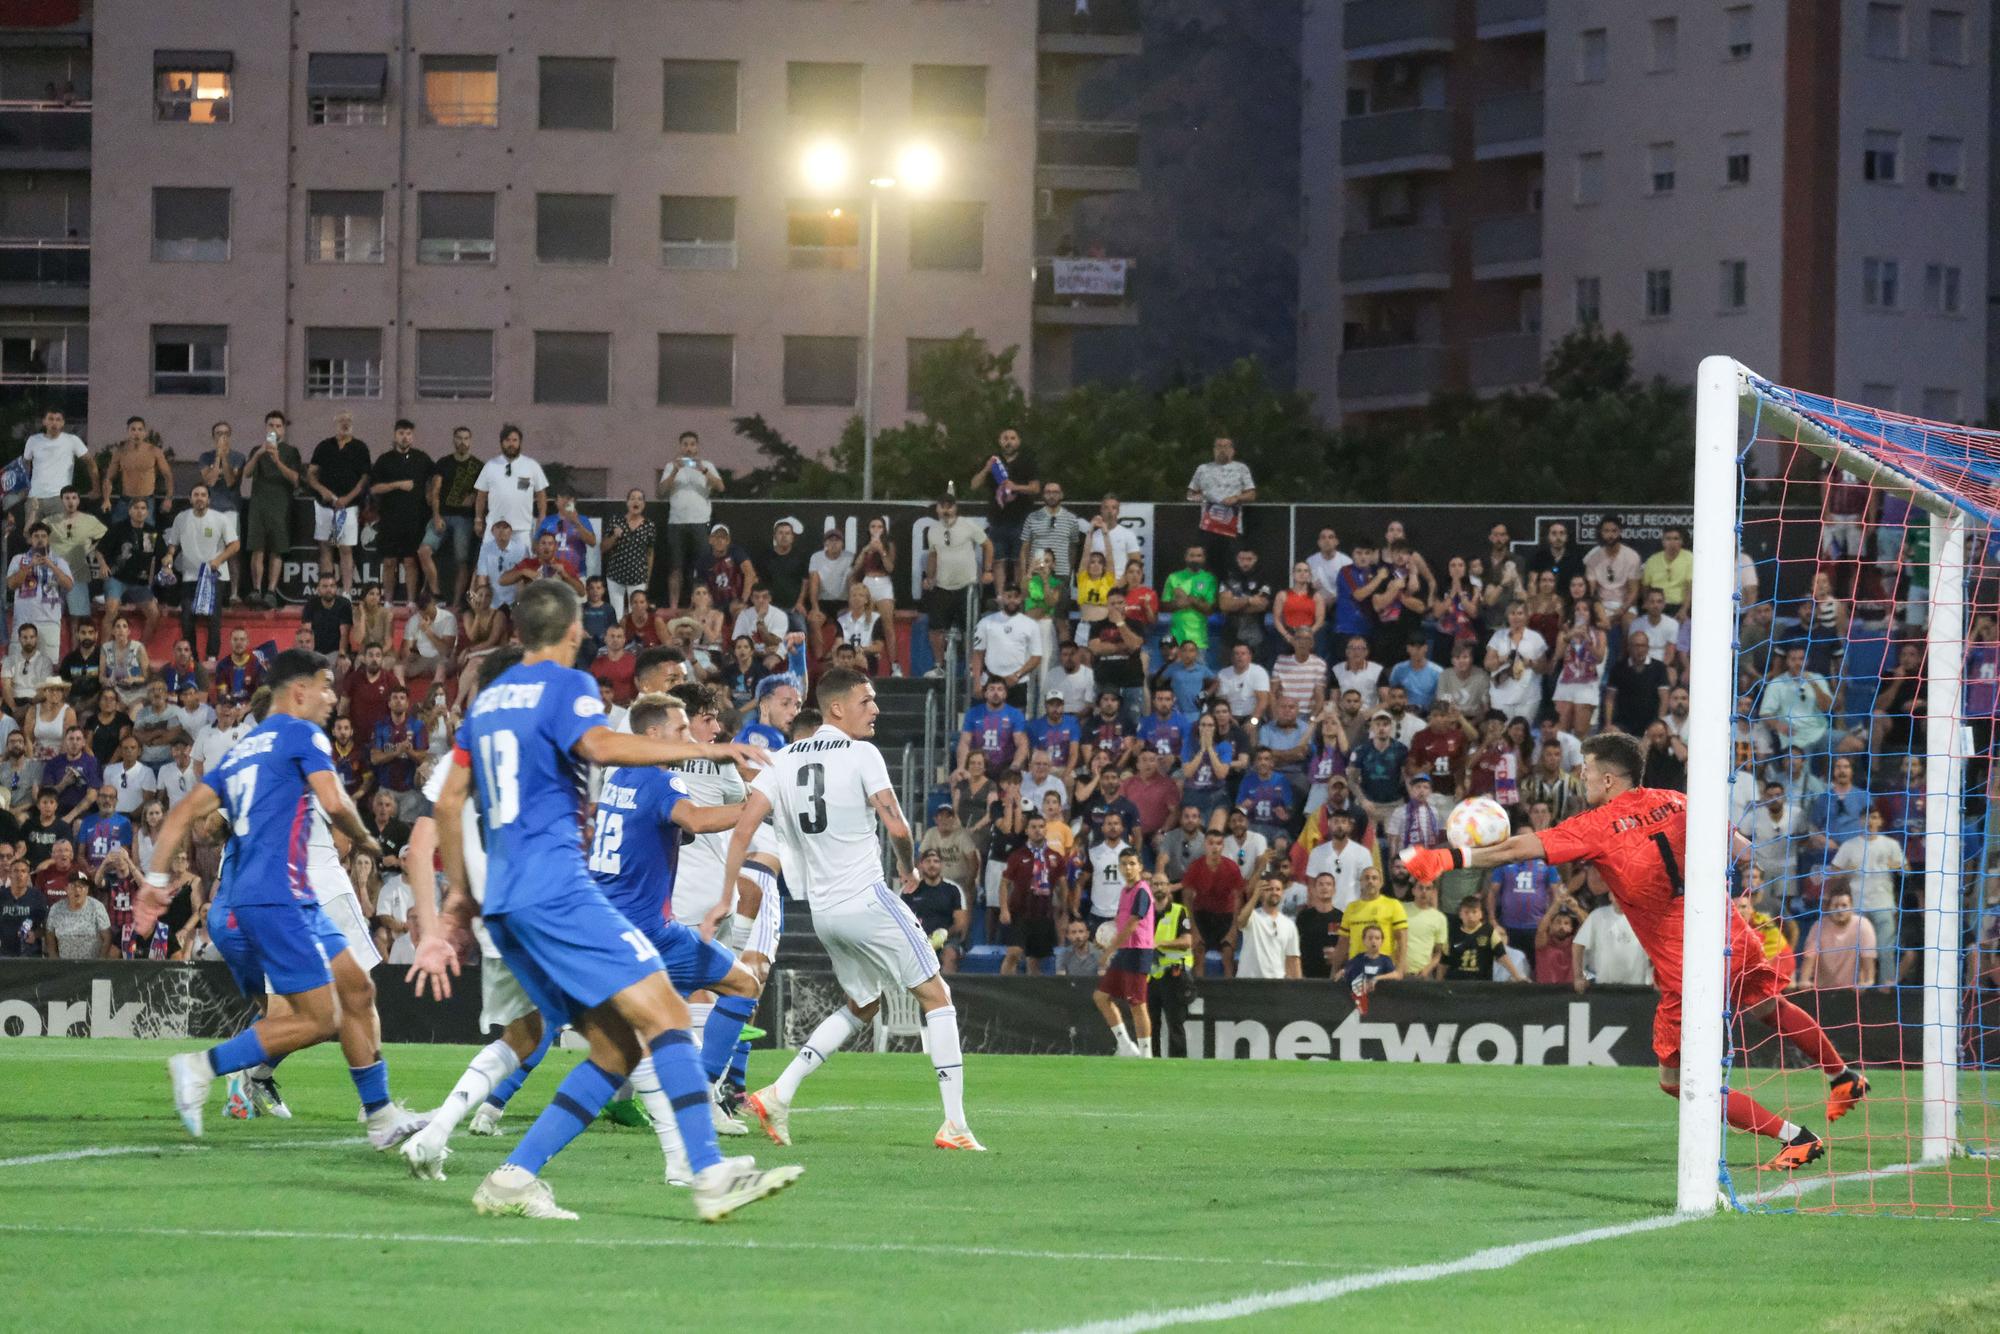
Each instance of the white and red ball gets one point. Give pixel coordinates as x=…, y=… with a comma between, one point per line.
x=1477, y=822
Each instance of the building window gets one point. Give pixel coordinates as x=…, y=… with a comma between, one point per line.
x=1942, y=284
x=823, y=235
x=1881, y=155
x=1946, y=37
x=948, y=235
x=824, y=96
x=1660, y=169
x=573, y=229
x=1528, y=310
x=1735, y=284
x=576, y=93
x=1880, y=283
x=1663, y=47
x=1876, y=394
x=699, y=96
x=455, y=364
x=1942, y=405
x=1659, y=293
x=1944, y=166
x=697, y=370
x=344, y=227
x=454, y=228
x=949, y=100
x=191, y=359
x=462, y=92
x=343, y=363
x=190, y=224
x=1593, y=50
x=347, y=88
x=697, y=232
x=822, y=372
x=1589, y=178
x=1589, y=301
x=1736, y=159
x=193, y=87
x=572, y=367
x=1885, y=31
x=1738, y=39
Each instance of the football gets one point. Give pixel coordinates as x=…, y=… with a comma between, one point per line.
x=1106, y=934
x=1477, y=822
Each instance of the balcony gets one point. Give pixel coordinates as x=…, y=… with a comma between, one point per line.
x=1376, y=379
x=1399, y=259
x=1504, y=361
x=1377, y=29
x=1110, y=29
x=1088, y=156
x=1078, y=291
x=1509, y=247
x=1511, y=18
x=1509, y=125
x=30, y=266
x=45, y=136
x=1416, y=139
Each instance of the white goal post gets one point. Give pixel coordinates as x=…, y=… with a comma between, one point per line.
x=1724, y=387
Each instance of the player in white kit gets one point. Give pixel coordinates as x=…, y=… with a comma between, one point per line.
x=824, y=793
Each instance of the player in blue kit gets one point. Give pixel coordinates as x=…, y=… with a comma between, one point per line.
x=635, y=853
x=265, y=787
x=530, y=736
x=778, y=702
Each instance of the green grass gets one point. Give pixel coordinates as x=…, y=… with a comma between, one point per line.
x=1111, y=1187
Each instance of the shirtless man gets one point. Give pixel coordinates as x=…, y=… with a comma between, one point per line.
x=137, y=467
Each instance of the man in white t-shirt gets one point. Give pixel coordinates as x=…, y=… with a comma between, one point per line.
x=1246, y=686
x=1355, y=672
x=232, y=724
x=1606, y=951
x=1269, y=944
x=823, y=794
x=1872, y=861
x=430, y=638
x=1340, y=857
x=1661, y=630
x=1326, y=563
x=1007, y=647
x=130, y=778
x=51, y=454
x=763, y=624
x=513, y=487
x=1107, y=535
x=504, y=548
x=177, y=777
x=688, y=485
x=1041, y=780
x=40, y=584
x=1107, y=883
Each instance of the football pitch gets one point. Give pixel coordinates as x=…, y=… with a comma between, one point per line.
x=1120, y=1195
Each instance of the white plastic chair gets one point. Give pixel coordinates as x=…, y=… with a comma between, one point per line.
x=899, y=1017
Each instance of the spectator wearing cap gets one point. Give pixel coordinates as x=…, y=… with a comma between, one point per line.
x=629, y=553
x=787, y=568
x=503, y=550
x=957, y=554
x=689, y=485
x=725, y=570
x=1416, y=822
x=1377, y=766
x=1222, y=487
x=828, y=573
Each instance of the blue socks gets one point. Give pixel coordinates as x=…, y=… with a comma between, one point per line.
x=687, y=1093
x=739, y=1064
x=719, y=1035
x=238, y=1053
x=372, y=1083
x=511, y=1085
x=578, y=1100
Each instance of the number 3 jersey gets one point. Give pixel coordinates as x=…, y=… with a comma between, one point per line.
x=265, y=786
x=820, y=790
x=635, y=844
x=522, y=734
x=1638, y=843
x=698, y=882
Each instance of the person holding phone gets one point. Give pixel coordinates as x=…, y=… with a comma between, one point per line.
x=274, y=469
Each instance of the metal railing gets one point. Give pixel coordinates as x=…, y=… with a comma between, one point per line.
x=698, y=254
x=364, y=381
x=1088, y=143
x=455, y=250
x=341, y=249
x=348, y=111
x=51, y=126
x=931, y=731
x=475, y=114
x=45, y=262
x=454, y=386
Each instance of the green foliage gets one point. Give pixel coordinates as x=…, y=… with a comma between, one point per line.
x=1594, y=432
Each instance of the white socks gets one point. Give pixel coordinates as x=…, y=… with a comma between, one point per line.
x=646, y=1088
x=941, y=1026
x=1122, y=1041
x=833, y=1031
x=495, y=1061
x=698, y=1019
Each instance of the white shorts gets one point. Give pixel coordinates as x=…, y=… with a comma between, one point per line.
x=698, y=880
x=759, y=935
x=1578, y=692
x=876, y=945
x=880, y=587
x=323, y=525
x=344, y=911
x=993, y=878
x=501, y=999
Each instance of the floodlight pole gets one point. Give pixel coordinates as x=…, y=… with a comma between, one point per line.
x=875, y=188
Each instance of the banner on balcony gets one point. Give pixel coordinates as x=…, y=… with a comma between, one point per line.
x=1089, y=277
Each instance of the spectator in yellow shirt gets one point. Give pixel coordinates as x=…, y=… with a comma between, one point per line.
x=1671, y=570
x=1373, y=908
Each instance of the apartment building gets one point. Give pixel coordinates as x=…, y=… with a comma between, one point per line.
x=589, y=219
x=1802, y=185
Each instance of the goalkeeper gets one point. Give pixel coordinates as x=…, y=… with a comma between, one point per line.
x=1637, y=839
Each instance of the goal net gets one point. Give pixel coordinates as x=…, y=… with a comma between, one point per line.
x=1856, y=664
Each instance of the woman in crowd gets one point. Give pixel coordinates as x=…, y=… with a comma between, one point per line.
x=107, y=728
x=628, y=550
x=707, y=618
x=743, y=671
x=874, y=568
x=1094, y=583
x=146, y=833
x=125, y=665
x=973, y=795
x=439, y=719
x=862, y=626
x=1327, y=759
x=52, y=717
x=1455, y=610
x=1580, y=658
x=372, y=623
x=1142, y=608
x=1205, y=760
x=1299, y=607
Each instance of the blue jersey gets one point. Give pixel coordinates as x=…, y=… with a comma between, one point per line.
x=99, y=834
x=265, y=786
x=1262, y=798
x=759, y=733
x=635, y=847
x=1163, y=736
x=1058, y=738
x=993, y=732
x=521, y=736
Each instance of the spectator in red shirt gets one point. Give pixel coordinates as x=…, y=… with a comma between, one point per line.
x=615, y=666
x=1037, y=891
x=1495, y=759
x=368, y=691
x=1554, y=960
x=1215, y=889
x=644, y=627
x=1156, y=796
x=52, y=876
x=1142, y=604
x=349, y=761
x=1441, y=750
x=548, y=562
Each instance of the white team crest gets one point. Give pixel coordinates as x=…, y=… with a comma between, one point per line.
x=588, y=706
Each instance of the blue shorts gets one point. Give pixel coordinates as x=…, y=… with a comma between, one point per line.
x=693, y=964
x=572, y=951
x=136, y=595
x=293, y=945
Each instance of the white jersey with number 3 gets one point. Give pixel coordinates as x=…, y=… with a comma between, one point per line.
x=820, y=790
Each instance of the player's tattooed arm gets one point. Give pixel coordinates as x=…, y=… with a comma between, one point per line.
x=891, y=813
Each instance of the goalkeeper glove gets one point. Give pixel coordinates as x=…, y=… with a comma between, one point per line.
x=1427, y=864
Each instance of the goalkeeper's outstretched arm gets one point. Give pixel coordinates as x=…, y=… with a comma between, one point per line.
x=1427, y=864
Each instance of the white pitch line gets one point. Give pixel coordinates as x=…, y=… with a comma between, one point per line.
x=145, y=1150
x=1494, y=1257
x=557, y=1237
